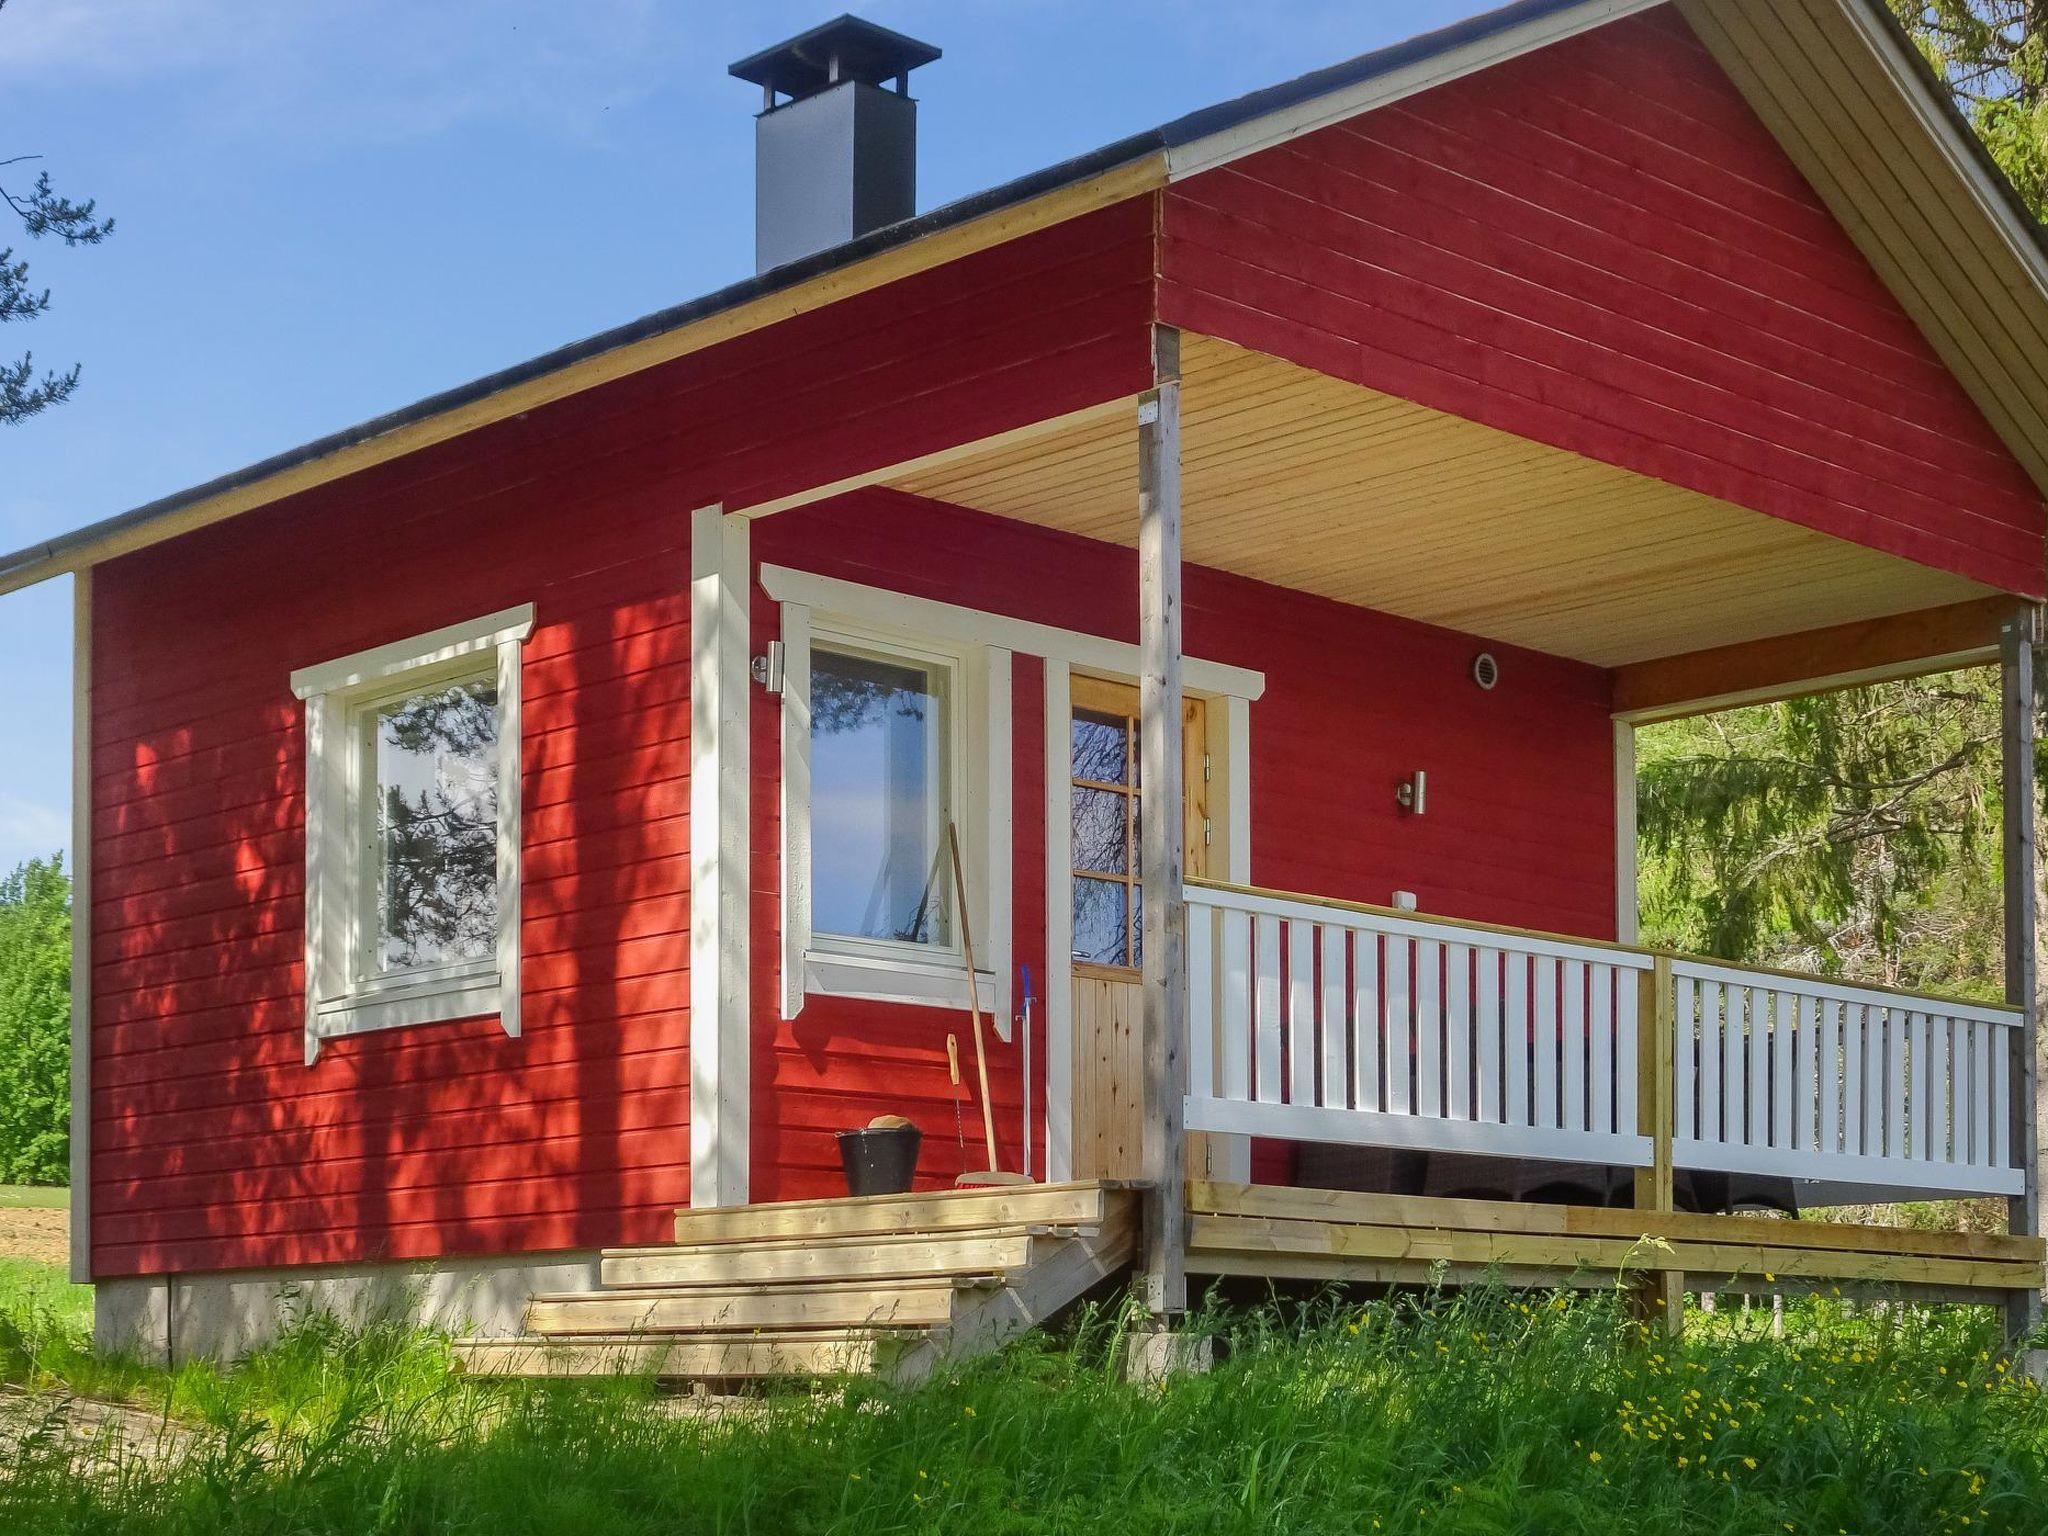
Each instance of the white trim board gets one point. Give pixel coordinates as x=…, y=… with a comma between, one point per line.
x=980, y=749
x=342, y=996
x=923, y=615
x=472, y=637
x=720, y=952
x=81, y=925
x=1437, y=68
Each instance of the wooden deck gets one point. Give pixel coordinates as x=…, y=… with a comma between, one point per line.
x=1336, y=1236
x=900, y=1284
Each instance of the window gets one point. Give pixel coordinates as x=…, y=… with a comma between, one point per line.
x=1103, y=757
x=881, y=796
x=890, y=739
x=412, y=831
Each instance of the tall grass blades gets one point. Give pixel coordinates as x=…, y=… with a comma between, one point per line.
x=1487, y=1412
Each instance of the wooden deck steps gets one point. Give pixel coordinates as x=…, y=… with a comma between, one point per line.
x=1334, y=1235
x=892, y=1284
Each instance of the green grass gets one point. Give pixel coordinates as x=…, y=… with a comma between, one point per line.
x=34, y=1196
x=1483, y=1414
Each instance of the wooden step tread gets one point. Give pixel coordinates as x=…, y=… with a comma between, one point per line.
x=918, y=1303
x=1086, y=1204
x=942, y=1282
x=812, y=1353
x=846, y=1241
x=871, y=1260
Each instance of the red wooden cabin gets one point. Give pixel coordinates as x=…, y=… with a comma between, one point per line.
x=520, y=819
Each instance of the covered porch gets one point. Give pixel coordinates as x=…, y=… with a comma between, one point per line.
x=1468, y=1093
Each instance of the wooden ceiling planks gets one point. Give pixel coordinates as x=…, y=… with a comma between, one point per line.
x=1312, y=483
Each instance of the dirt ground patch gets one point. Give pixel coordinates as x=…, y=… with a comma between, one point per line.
x=31, y=1233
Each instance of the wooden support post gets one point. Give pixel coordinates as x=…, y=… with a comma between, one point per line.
x=1163, y=1097
x=1660, y=1293
x=2017, y=639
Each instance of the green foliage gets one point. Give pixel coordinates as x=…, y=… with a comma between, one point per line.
x=35, y=1023
x=41, y=212
x=1486, y=1412
x=1853, y=832
x=1994, y=56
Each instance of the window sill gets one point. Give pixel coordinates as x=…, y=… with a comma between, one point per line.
x=895, y=980
x=435, y=1002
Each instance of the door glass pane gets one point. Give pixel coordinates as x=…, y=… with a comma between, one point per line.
x=1101, y=748
x=878, y=797
x=434, y=759
x=1099, y=922
x=1099, y=831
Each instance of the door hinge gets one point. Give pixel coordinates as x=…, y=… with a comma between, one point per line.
x=1205, y=767
x=1205, y=831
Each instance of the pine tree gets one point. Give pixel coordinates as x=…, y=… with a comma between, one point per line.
x=42, y=212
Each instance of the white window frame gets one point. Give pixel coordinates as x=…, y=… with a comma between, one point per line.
x=978, y=755
x=339, y=1001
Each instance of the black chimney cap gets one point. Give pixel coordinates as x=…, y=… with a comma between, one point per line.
x=844, y=49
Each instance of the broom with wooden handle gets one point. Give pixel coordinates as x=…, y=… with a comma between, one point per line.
x=994, y=1174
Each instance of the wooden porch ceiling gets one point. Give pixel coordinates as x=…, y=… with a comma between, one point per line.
x=1296, y=478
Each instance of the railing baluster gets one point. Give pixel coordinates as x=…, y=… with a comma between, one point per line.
x=1981, y=1037
x=1894, y=1098
x=1400, y=1027
x=1545, y=983
x=1336, y=1029
x=1920, y=1112
x=2001, y=1113
x=1734, y=1067
x=1627, y=1048
x=1489, y=1035
x=1828, y=1073
x=1518, y=1028
x=1201, y=1000
x=1805, y=1071
x=1429, y=1028
x=1458, y=1031
x=1854, y=1045
x=1572, y=1044
x=1237, y=1006
x=1783, y=1032
x=1365, y=1015
x=1600, y=1046
x=1266, y=1061
x=1301, y=1012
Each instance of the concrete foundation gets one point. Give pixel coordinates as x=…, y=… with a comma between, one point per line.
x=1151, y=1357
x=170, y=1318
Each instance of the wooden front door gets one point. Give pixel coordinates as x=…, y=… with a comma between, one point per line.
x=1103, y=842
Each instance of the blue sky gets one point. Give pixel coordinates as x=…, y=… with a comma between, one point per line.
x=328, y=210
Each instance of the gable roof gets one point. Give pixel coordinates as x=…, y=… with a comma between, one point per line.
x=1837, y=81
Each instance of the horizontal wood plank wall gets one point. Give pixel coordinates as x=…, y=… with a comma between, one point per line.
x=1519, y=830
x=214, y=1146
x=1600, y=247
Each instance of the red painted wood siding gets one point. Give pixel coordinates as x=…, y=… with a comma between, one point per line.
x=213, y=1145
x=1520, y=826
x=1599, y=246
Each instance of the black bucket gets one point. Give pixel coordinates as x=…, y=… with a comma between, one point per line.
x=880, y=1160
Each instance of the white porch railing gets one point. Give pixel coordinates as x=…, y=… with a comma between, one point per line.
x=1324, y=1021
x=1813, y=1079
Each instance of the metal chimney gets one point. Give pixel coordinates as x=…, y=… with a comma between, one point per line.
x=835, y=146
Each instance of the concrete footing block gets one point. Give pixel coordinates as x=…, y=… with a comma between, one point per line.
x=1151, y=1358
x=2033, y=1365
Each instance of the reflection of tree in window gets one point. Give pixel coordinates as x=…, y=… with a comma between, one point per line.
x=435, y=758
x=1105, y=838
x=878, y=801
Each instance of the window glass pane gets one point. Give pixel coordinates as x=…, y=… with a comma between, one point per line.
x=1100, y=748
x=1099, y=922
x=434, y=757
x=878, y=797
x=1099, y=830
